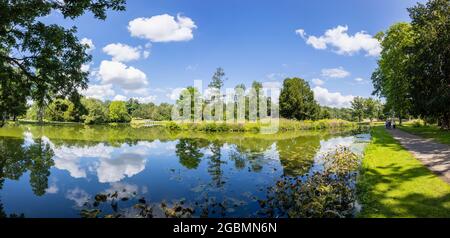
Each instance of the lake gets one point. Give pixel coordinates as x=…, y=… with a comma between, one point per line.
x=75, y=170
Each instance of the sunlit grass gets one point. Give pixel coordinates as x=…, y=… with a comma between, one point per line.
x=395, y=184
x=429, y=131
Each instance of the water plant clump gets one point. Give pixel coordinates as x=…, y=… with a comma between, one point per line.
x=326, y=194
x=116, y=205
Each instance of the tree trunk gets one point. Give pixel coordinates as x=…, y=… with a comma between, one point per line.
x=445, y=122
x=40, y=114
x=400, y=119
x=3, y=119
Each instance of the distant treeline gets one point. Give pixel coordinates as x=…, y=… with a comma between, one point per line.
x=296, y=102
x=94, y=111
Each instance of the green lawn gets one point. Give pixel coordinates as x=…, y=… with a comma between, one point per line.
x=394, y=184
x=431, y=131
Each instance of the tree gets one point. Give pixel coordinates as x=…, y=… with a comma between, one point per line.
x=97, y=112
x=145, y=111
x=32, y=112
x=297, y=100
x=371, y=108
x=44, y=61
x=391, y=79
x=118, y=112
x=164, y=112
x=257, y=86
x=61, y=110
x=13, y=100
x=414, y=67
x=429, y=68
x=192, y=94
x=240, y=86
x=41, y=160
x=189, y=152
x=218, y=79
x=132, y=105
x=358, y=107
x=325, y=113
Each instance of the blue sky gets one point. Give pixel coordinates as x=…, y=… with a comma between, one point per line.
x=174, y=42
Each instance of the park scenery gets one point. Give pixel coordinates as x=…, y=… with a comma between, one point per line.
x=225, y=109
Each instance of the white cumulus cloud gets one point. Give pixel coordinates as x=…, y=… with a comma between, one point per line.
x=335, y=73
x=327, y=98
x=174, y=94
x=342, y=43
x=89, y=44
x=100, y=92
x=146, y=99
x=318, y=82
x=123, y=53
x=126, y=77
x=115, y=169
x=163, y=28
x=120, y=98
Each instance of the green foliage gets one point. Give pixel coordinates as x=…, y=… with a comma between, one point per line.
x=373, y=109
x=32, y=112
x=218, y=79
x=189, y=152
x=359, y=108
x=13, y=100
x=132, y=105
x=97, y=111
x=118, y=112
x=193, y=95
x=335, y=113
x=153, y=112
x=414, y=68
x=285, y=125
x=61, y=110
x=42, y=61
x=297, y=100
x=17, y=159
x=164, y=112
x=391, y=79
x=429, y=70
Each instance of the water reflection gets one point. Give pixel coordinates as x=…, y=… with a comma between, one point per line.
x=221, y=175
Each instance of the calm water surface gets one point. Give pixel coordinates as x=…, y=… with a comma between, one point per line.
x=56, y=171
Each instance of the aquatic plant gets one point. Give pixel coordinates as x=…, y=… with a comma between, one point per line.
x=110, y=206
x=326, y=194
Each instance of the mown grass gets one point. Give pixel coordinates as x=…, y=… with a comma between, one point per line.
x=284, y=125
x=429, y=131
x=393, y=183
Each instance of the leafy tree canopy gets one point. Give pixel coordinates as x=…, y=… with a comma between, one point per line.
x=44, y=61
x=297, y=100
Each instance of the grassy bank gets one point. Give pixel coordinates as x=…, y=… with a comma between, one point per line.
x=284, y=125
x=429, y=131
x=395, y=184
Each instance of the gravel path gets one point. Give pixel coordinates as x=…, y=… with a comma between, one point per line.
x=434, y=155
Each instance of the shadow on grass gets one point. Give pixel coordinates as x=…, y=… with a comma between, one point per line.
x=394, y=184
